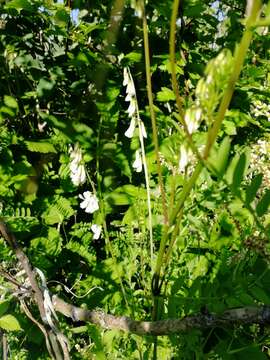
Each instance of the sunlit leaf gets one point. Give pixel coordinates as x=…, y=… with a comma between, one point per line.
x=9, y=323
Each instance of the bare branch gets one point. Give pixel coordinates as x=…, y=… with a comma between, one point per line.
x=245, y=315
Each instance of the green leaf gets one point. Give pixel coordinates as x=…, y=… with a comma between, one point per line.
x=41, y=146
x=58, y=211
x=11, y=102
x=44, y=86
x=81, y=251
x=61, y=16
x=165, y=95
x=4, y=306
x=133, y=57
x=51, y=244
x=9, y=323
x=253, y=187
x=263, y=204
x=260, y=295
x=219, y=158
x=239, y=172
x=125, y=195
x=19, y=5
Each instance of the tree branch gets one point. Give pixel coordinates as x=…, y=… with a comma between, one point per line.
x=245, y=315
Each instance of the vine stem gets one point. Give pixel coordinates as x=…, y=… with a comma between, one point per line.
x=239, y=56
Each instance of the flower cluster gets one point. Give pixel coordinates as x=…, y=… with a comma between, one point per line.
x=133, y=114
x=133, y=111
x=260, y=160
x=208, y=94
x=77, y=169
x=209, y=89
x=260, y=109
x=90, y=205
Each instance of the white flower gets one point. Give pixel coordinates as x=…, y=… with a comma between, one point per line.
x=185, y=154
x=132, y=108
x=130, y=131
x=77, y=169
x=137, y=165
x=192, y=118
x=142, y=128
x=78, y=176
x=96, y=230
x=126, y=78
x=89, y=203
x=133, y=111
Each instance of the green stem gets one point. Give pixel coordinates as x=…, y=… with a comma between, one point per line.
x=239, y=57
x=153, y=115
x=146, y=174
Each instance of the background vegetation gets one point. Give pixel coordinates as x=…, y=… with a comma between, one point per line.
x=169, y=246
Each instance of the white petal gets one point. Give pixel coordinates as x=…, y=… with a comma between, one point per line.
x=184, y=158
x=96, y=230
x=142, y=129
x=125, y=82
x=130, y=131
x=132, y=108
x=78, y=175
x=137, y=165
x=130, y=88
x=190, y=119
x=129, y=97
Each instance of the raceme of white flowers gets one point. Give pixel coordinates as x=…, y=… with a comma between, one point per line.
x=210, y=88
x=96, y=229
x=135, y=122
x=77, y=169
x=133, y=111
x=89, y=203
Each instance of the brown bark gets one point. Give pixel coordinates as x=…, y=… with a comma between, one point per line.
x=245, y=315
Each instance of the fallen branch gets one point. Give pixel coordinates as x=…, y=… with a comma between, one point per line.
x=245, y=315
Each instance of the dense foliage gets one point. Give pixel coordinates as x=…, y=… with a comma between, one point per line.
x=90, y=197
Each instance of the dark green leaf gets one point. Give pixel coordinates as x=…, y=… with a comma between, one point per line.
x=263, y=204
x=253, y=187
x=239, y=172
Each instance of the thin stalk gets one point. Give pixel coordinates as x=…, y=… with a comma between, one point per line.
x=150, y=222
x=153, y=115
x=106, y=234
x=239, y=57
